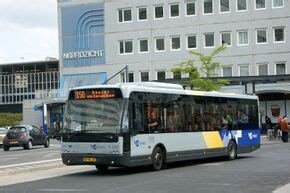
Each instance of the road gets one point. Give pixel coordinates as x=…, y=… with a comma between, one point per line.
x=17, y=156
x=265, y=170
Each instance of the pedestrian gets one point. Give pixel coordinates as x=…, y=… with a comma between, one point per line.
x=284, y=128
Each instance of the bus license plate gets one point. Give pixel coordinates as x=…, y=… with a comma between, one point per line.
x=89, y=159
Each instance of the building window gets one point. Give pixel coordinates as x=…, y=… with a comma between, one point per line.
x=159, y=44
x=174, y=10
x=226, y=38
x=144, y=76
x=279, y=35
x=227, y=71
x=243, y=38
x=176, y=75
x=209, y=40
x=125, y=15
x=224, y=6
x=158, y=12
x=262, y=69
x=278, y=3
x=130, y=77
x=260, y=4
x=280, y=68
x=143, y=45
x=242, y=5
x=161, y=75
x=142, y=13
x=207, y=6
x=261, y=37
x=126, y=47
x=190, y=8
x=244, y=71
x=175, y=43
x=191, y=42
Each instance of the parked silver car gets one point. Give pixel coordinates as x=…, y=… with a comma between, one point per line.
x=3, y=132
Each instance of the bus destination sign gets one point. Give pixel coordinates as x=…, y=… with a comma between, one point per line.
x=96, y=94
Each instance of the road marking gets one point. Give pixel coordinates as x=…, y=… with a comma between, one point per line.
x=23, y=154
x=30, y=163
x=63, y=190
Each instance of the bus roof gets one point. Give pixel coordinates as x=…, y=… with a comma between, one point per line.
x=168, y=88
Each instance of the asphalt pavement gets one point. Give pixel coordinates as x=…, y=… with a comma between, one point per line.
x=265, y=170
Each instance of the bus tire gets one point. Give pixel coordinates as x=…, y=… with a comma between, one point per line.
x=157, y=159
x=232, y=150
x=102, y=169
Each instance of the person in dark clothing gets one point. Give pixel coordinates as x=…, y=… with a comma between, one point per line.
x=284, y=128
x=268, y=122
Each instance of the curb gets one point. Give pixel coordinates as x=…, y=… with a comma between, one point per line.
x=31, y=168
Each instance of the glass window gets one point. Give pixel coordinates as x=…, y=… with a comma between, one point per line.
x=227, y=71
x=209, y=40
x=280, y=68
x=190, y=8
x=174, y=10
x=261, y=36
x=160, y=44
x=279, y=34
x=191, y=42
x=260, y=4
x=244, y=71
x=243, y=38
x=144, y=76
x=143, y=45
x=131, y=77
x=126, y=47
x=176, y=75
x=125, y=15
x=159, y=12
x=263, y=69
x=278, y=3
x=142, y=13
x=224, y=5
x=226, y=38
x=175, y=43
x=242, y=5
x=161, y=75
x=207, y=6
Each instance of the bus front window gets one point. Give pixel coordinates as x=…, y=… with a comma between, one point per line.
x=93, y=116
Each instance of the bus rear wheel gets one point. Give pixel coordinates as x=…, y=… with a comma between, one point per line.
x=102, y=169
x=157, y=159
x=232, y=150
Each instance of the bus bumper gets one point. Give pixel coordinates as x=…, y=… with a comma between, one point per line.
x=98, y=160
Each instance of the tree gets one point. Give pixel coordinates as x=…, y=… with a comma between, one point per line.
x=208, y=69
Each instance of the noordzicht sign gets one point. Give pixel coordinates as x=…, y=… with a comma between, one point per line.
x=83, y=54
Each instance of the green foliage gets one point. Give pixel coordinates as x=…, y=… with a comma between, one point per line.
x=208, y=69
x=10, y=119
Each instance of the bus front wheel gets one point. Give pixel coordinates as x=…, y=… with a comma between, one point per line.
x=102, y=169
x=232, y=150
x=157, y=159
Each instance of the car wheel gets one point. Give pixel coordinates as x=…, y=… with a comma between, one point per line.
x=232, y=150
x=28, y=145
x=46, y=143
x=157, y=159
x=102, y=169
x=6, y=148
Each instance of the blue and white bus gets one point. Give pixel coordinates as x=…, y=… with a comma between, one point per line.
x=149, y=123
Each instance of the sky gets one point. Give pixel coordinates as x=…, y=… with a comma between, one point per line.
x=28, y=30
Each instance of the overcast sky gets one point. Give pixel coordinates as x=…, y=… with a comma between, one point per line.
x=28, y=30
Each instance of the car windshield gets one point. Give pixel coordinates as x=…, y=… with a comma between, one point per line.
x=93, y=116
x=17, y=130
x=3, y=131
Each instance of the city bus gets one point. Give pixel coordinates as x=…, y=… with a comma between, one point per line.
x=151, y=123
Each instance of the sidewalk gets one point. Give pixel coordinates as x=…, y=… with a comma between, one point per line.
x=266, y=141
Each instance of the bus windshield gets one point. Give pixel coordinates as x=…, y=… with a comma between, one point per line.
x=93, y=116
